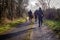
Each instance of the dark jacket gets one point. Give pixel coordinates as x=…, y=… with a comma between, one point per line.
x=30, y=14
x=38, y=14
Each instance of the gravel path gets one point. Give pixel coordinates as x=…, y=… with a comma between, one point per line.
x=42, y=33
x=21, y=32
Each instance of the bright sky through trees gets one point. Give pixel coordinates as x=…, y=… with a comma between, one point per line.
x=32, y=4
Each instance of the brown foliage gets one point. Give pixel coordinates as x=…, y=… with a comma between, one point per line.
x=52, y=14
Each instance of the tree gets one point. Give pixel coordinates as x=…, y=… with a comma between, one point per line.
x=45, y=3
x=3, y=7
x=11, y=9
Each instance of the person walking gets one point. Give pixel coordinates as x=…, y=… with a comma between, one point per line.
x=39, y=15
x=35, y=16
x=30, y=16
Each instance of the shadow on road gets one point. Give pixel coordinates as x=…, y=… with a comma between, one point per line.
x=23, y=24
x=6, y=36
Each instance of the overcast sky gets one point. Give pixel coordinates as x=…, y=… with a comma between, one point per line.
x=53, y=3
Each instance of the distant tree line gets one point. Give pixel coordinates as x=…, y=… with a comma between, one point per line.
x=52, y=13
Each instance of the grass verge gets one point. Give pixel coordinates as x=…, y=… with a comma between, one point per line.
x=6, y=27
x=54, y=25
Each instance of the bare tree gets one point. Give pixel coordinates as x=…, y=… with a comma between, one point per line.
x=45, y=3
x=48, y=3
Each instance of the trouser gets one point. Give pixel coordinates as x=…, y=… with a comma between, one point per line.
x=40, y=21
x=35, y=18
x=30, y=20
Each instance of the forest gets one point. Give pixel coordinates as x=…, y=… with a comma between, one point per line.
x=13, y=12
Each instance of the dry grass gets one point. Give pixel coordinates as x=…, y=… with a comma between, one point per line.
x=8, y=26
